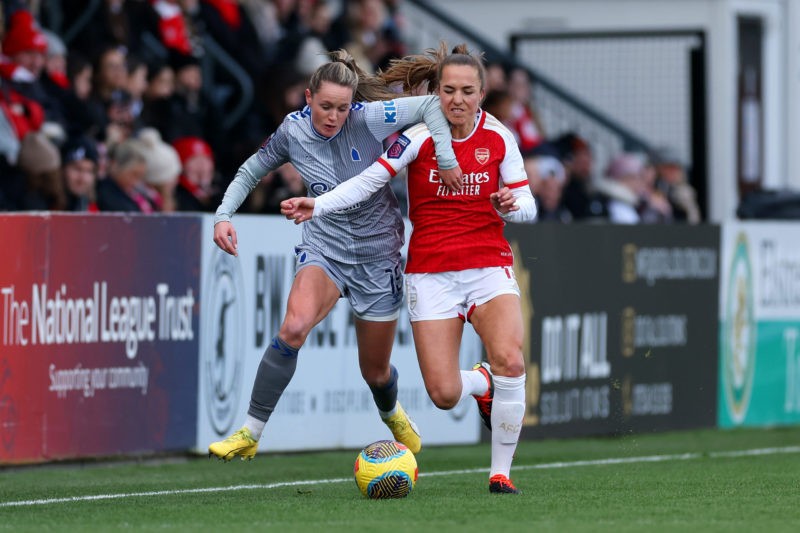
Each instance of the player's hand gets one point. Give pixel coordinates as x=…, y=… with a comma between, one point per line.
x=298, y=209
x=225, y=237
x=452, y=178
x=504, y=201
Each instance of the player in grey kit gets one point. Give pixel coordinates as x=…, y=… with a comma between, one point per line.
x=354, y=253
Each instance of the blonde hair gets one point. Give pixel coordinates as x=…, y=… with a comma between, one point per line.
x=343, y=70
x=414, y=71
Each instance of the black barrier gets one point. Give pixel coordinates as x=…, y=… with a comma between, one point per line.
x=621, y=327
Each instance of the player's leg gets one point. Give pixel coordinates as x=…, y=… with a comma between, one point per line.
x=375, y=340
x=499, y=324
x=375, y=292
x=436, y=311
x=312, y=296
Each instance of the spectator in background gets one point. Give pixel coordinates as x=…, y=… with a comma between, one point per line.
x=365, y=30
x=40, y=162
x=55, y=63
x=500, y=104
x=110, y=79
x=78, y=112
x=111, y=73
x=120, y=122
x=197, y=188
x=672, y=181
x=80, y=74
x=157, y=95
x=124, y=188
x=525, y=122
x=26, y=47
x=495, y=77
x=137, y=84
x=191, y=112
x=654, y=207
x=79, y=171
x=621, y=187
x=578, y=197
x=282, y=93
x=163, y=169
x=546, y=177
x=20, y=117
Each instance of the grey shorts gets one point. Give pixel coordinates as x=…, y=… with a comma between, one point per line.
x=374, y=290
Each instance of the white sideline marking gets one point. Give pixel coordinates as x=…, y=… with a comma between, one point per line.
x=543, y=466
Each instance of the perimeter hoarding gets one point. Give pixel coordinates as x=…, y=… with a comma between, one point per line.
x=98, y=346
x=759, y=358
x=621, y=331
x=327, y=404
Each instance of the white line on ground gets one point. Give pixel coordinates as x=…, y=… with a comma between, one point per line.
x=541, y=466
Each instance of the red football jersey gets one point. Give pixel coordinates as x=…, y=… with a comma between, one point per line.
x=457, y=230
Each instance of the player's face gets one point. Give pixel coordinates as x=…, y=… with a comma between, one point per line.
x=460, y=94
x=330, y=106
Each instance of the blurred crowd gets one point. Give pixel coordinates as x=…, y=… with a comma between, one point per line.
x=151, y=105
x=634, y=188
x=140, y=105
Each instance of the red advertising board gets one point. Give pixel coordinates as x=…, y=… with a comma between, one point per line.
x=98, y=335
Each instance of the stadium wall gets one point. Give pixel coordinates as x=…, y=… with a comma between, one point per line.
x=125, y=335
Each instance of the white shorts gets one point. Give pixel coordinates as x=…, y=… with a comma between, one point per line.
x=455, y=294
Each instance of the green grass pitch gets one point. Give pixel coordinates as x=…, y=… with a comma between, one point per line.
x=739, y=480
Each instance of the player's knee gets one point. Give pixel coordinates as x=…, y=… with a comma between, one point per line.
x=376, y=375
x=444, y=397
x=294, y=331
x=508, y=363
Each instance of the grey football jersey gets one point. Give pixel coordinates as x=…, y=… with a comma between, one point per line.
x=367, y=231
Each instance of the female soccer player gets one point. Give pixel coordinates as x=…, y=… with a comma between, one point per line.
x=459, y=263
x=330, y=139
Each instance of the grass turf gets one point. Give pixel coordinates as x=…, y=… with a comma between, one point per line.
x=567, y=486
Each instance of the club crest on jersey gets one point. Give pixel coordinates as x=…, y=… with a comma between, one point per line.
x=398, y=147
x=482, y=155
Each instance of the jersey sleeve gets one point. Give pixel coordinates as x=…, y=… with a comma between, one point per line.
x=387, y=117
x=270, y=155
x=513, y=176
x=358, y=188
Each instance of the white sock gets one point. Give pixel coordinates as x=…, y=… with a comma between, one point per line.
x=473, y=382
x=508, y=410
x=255, y=426
x=388, y=414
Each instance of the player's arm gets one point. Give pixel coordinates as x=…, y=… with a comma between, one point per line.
x=269, y=156
x=514, y=201
x=401, y=112
x=360, y=187
x=346, y=194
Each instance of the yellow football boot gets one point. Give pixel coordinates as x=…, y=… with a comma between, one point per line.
x=240, y=443
x=404, y=430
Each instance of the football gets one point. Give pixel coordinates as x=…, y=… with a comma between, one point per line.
x=385, y=469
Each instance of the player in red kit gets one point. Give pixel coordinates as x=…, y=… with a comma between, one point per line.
x=459, y=263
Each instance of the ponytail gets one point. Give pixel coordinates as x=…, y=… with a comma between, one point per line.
x=422, y=72
x=343, y=70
